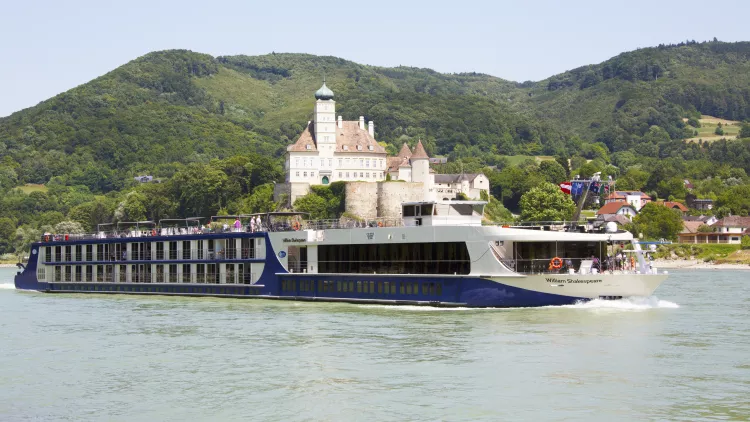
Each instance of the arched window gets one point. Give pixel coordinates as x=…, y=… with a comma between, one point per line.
x=325, y=180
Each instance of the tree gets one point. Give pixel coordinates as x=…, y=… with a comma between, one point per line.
x=313, y=205
x=7, y=233
x=705, y=228
x=261, y=200
x=494, y=211
x=25, y=236
x=199, y=189
x=719, y=131
x=745, y=131
x=69, y=227
x=546, y=202
x=552, y=171
x=745, y=242
x=658, y=222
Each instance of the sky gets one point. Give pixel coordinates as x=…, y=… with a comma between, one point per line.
x=48, y=47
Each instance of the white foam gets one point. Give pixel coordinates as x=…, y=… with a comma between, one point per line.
x=7, y=286
x=634, y=303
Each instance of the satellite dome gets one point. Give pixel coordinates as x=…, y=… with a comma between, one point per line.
x=324, y=93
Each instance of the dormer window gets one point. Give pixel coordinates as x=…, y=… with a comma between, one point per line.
x=370, y=147
x=346, y=147
x=308, y=146
x=359, y=147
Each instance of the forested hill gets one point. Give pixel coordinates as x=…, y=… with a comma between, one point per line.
x=179, y=107
x=215, y=128
x=626, y=95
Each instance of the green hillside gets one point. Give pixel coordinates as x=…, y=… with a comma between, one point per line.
x=220, y=125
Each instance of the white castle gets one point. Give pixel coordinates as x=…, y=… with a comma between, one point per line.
x=331, y=150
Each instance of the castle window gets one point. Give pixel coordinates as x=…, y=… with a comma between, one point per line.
x=346, y=147
x=326, y=138
x=361, y=174
x=347, y=174
x=296, y=162
x=304, y=174
x=297, y=174
x=308, y=146
x=312, y=174
x=370, y=147
x=368, y=163
x=340, y=162
x=339, y=174
x=322, y=162
x=361, y=163
x=330, y=162
x=368, y=175
x=359, y=147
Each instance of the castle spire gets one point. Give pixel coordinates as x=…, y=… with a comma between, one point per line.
x=324, y=93
x=419, y=151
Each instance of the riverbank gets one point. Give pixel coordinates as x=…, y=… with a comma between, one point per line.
x=696, y=264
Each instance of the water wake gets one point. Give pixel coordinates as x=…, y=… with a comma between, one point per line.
x=7, y=286
x=634, y=303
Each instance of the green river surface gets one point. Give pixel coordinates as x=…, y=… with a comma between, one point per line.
x=682, y=356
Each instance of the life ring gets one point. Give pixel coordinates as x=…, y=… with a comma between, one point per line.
x=380, y=224
x=296, y=225
x=556, y=263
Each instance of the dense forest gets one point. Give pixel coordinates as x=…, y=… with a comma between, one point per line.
x=213, y=130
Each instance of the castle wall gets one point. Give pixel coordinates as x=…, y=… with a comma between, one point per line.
x=362, y=199
x=292, y=191
x=390, y=195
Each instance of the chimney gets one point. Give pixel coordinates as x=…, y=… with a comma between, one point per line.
x=371, y=128
x=362, y=122
x=341, y=122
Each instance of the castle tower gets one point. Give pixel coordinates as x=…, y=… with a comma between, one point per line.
x=325, y=120
x=420, y=164
x=420, y=171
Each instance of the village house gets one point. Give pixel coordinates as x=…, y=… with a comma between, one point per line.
x=674, y=205
x=613, y=208
x=637, y=199
x=729, y=229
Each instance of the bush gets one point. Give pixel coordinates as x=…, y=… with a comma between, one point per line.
x=745, y=242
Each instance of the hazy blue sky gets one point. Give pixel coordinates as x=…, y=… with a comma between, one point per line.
x=48, y=47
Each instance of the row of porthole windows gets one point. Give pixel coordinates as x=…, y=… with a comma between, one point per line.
x=366, y=287
x=147, y=289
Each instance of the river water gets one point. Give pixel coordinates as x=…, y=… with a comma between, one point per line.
x=682, y=356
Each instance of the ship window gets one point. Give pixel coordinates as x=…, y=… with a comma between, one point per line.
x=372, y=287
x=409, y=211
x=404, y=258
x=186, y=273
x=89, y=273
x=48, y=254
x=380, y=287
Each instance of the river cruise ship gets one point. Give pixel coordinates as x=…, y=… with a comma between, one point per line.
x=436, y=254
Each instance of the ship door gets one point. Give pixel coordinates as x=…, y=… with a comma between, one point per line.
x=297, y=259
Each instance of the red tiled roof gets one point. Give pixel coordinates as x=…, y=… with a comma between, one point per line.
x=672, y=204
x=613, y=207
x=349, y=135
x=733, y=221
x=419, y=151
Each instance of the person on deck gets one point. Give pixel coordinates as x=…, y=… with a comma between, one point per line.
x=237, y=225
x=252, y=225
